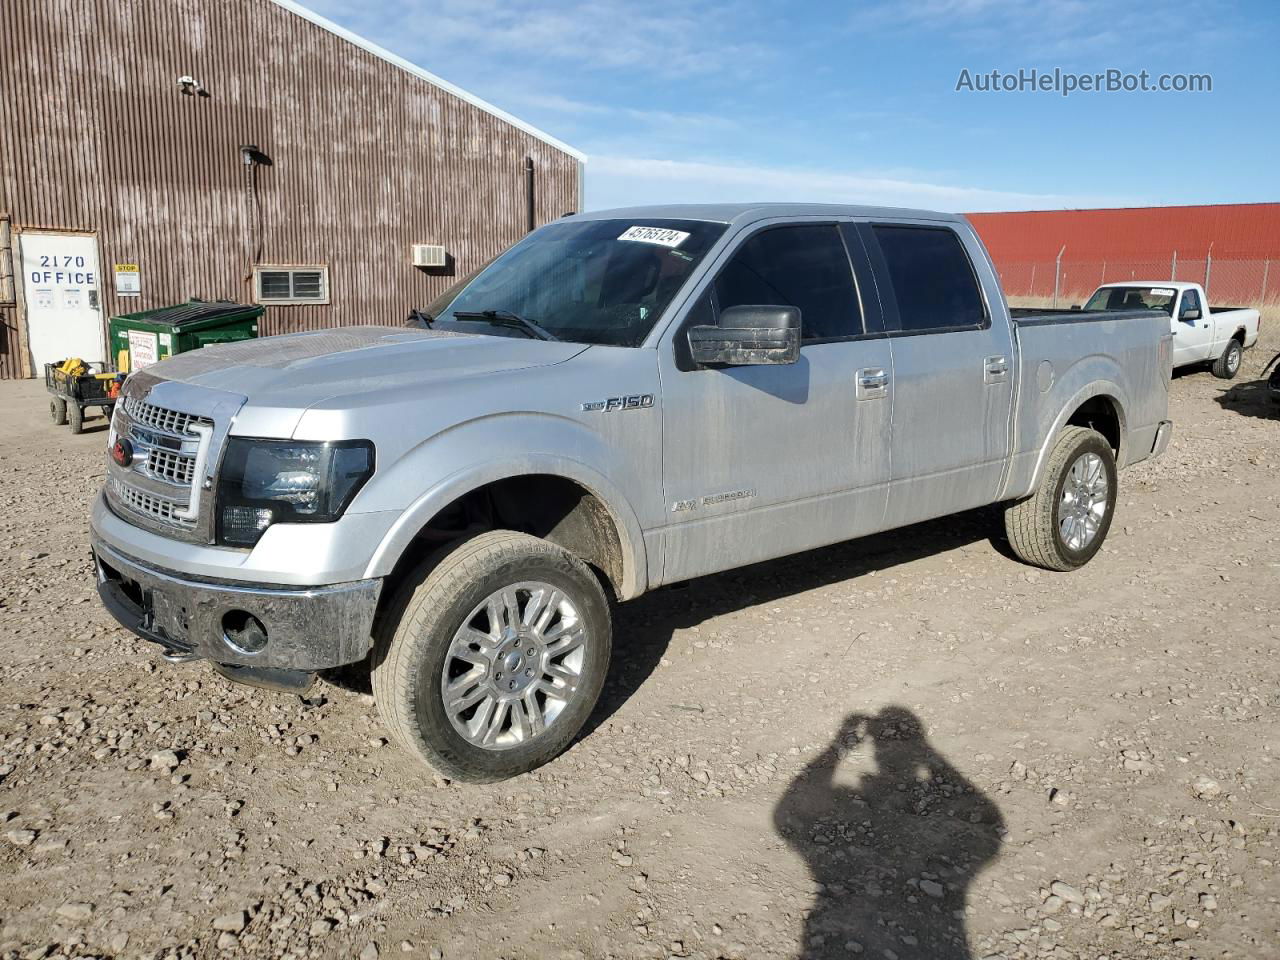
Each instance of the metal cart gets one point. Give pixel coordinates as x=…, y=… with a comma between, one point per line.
x=74, y=392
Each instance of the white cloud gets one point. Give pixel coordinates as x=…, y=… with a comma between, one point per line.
x=614, y=181
x=591, y=34
x=1072, y=29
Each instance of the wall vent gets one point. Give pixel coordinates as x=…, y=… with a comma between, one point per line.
x=429, y=255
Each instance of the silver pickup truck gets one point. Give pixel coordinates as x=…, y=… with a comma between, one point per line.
x=623, y=399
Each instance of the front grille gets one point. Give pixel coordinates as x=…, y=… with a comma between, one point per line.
x=148, y=505
x=173, y=421
x=177, y=468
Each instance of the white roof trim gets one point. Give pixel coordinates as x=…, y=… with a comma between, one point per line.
x=431, y=78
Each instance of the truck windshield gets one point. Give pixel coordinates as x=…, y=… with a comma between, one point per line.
x=586, y=281
x=1133, y=298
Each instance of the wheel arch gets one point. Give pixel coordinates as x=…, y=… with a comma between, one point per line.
x=1097, y=405
x=568, y=503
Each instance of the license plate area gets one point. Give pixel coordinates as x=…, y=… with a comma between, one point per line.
x=165, y=616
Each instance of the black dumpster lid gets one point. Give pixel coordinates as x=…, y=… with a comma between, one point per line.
x=197, y=311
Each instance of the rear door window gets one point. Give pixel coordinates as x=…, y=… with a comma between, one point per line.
x=802, y=266
x=932, y=278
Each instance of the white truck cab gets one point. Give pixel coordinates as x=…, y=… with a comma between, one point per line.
x=1201, y=333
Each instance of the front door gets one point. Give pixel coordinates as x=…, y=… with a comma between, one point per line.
x=763, y=461
x=1192, y=334
x=60, y=282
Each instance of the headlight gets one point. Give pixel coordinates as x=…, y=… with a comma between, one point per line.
x=279, y=481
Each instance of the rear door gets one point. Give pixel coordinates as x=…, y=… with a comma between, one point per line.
x=952, y=368
x=60, y=286
x=762, y=461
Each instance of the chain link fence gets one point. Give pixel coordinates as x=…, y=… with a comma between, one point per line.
x=1254, y=283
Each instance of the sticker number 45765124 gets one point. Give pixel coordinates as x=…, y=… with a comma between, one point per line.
x=659, y=235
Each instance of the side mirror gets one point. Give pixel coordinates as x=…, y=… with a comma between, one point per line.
x=748, y=336
x=1189, y=315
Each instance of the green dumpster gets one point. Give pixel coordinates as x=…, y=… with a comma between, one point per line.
x=140, y=339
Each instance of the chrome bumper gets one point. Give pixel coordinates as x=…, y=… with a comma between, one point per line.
x=1163, y=435
x=306, y=629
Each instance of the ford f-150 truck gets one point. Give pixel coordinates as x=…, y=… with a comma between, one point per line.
x=621, y=400
x=1201, y=333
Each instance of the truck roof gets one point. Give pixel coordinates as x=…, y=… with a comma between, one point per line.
x=738, y=213
x=1178, y=285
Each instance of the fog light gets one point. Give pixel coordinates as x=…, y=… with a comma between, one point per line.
x=243, y=525
x=243, y=632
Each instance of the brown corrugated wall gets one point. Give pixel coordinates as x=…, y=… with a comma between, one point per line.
x=367, y=158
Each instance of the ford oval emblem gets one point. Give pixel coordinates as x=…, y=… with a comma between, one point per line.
x=122, y=452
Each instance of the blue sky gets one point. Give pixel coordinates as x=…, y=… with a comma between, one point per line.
x=710, y=100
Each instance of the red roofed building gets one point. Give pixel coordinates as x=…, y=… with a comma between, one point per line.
x=1236, y=246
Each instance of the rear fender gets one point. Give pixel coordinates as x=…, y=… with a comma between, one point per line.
x=1096, y=388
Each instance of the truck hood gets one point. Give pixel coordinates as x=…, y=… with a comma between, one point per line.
x=298, y=370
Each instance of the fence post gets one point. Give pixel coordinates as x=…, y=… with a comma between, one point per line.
x=1032, y=291
x=1103, y=278
x=1266, y=268
x=1208, y=265
x=1057, y=273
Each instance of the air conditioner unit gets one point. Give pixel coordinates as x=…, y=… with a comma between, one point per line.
x=429, y=255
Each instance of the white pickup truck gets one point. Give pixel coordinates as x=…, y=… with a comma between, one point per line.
x=1201, y=333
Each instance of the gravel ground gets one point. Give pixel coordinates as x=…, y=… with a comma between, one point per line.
x=906, y=746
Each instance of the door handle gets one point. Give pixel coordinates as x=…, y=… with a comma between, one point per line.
x=995, y=369
x=872, y=383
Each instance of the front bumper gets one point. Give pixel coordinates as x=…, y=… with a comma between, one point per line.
x=306, y=629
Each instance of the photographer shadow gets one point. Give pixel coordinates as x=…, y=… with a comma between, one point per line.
x=894, y=854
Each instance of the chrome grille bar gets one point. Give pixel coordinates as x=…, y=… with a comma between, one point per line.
x=170, y=421
x=152, y=506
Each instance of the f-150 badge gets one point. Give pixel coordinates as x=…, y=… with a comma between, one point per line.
x=637, y=401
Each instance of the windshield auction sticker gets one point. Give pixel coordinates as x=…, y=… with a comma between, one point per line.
x=1163, y=291
x=659, y=235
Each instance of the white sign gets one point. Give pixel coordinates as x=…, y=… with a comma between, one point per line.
x=128, y=280
x=1163, y=291
x=659, y=235
x=142, y=349
x=60, y=286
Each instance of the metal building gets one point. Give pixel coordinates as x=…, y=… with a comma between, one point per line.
x=1232, y=247
x=158, y=150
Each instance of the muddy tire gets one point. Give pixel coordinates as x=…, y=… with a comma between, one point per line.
x=1228, y=365
x=492, y=656
x=1063, y=524
x=58, y=411
x=75, y=416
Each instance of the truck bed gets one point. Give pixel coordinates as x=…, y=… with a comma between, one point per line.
x=1040, y=316
x=1060, y=353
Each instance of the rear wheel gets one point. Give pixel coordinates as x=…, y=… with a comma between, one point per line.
x=1063, y=524
x=493, y=658
x=75, y=415
x=1228, y=365
x=58, y=411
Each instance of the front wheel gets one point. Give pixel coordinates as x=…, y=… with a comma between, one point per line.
x=493, y=658
x=58, y=411
x=1062, y=525
x=75, y=416
x=1228, y=365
